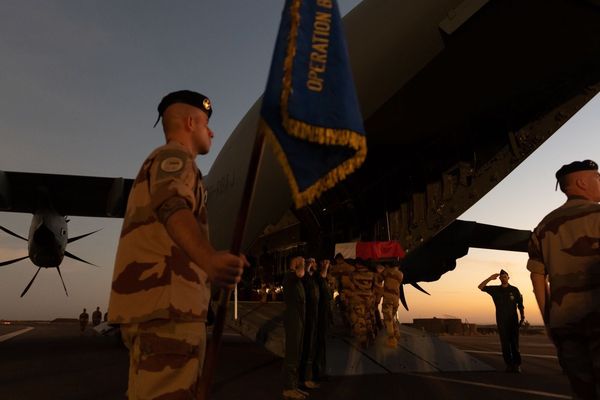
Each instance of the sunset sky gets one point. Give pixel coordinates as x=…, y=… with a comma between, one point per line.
x=78, y=93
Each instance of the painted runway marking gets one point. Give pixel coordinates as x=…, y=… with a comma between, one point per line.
x=510, y=389
x=13, y=334
x=522, y=354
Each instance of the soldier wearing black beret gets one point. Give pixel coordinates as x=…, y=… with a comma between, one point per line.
x=165, y=262
x=564, y=261
x=507, y=299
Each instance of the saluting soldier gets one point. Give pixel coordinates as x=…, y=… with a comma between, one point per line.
x=294, y=318
x=165, y=262
x=563, y=250
x=311, y=292
x=392, y=279
x=323, y=320
x=507, y=299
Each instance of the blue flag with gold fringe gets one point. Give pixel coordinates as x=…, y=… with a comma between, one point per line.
x=310, y=111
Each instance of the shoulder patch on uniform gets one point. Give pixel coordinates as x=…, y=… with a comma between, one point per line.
x=172, y=164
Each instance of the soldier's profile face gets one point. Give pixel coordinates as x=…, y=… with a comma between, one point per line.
x=504, y=278
x=201, y=134
x=593, y=183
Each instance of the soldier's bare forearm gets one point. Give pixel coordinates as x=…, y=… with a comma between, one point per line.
x=186, y=233
x=484, y=283
x=540, y=290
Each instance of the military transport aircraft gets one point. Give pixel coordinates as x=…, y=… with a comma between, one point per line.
x=455, y=94
x=50, y=198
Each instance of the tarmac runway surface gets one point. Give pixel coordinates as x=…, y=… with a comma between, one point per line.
x=53, y=361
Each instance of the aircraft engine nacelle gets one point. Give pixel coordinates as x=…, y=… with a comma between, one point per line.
x=48, y=235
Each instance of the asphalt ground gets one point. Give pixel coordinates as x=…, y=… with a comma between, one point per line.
x=53, y=361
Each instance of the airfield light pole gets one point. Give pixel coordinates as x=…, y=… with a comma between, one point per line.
x=210, y=362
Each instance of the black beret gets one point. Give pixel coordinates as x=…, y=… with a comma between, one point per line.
x=194, y=99
x=503, y=272
x=585, y=165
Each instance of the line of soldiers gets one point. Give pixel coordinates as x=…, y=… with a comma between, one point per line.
x=307, y=316
x=360, y=292
x=84, y=318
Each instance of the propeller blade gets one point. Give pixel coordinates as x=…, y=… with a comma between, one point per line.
x=63, y=282
x=81, y=236
x=74, y=257
x=416, y=286
x=403, y=298
x=30, y=282
x=3, y=263
x=12, y=233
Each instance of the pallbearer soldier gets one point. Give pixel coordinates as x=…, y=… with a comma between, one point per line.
x=564, y=250
x=293, y=323
x=507, y=299
x=165, y=262
x=311, y=292
x=392, y=279
x=361, y=303
x=342, y=271
x=378, y=292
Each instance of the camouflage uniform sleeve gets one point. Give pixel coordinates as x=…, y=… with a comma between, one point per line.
x=172, y=181
x=535, y=263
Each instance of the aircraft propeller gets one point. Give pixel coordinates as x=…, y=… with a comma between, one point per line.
x=66, y=253
x=12, y=233
x=30, y=282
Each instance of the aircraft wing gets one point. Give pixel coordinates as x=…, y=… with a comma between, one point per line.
x=438, y=255
x=75, y=195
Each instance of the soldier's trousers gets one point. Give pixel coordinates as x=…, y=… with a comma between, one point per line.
x=509, y=340
x=359, y=321
x=294, y=338
x=579, y=356
x=389, y=313
x=165, y=358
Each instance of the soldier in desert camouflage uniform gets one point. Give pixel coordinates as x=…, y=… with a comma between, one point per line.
x=392, y=279
x=378, y=292
x=564, y=251
x=361, y=303
x=164, y=263
x=341, y=271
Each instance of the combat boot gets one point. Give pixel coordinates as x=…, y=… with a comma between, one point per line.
x=312, y=385
x=392, y=342
x=292, y=394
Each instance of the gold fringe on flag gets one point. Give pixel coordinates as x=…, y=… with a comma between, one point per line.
x=311, y=133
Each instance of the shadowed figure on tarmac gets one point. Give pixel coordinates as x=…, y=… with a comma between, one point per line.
x=84, y=318
x=96, y=317
x=293, y=323
x=507, y=299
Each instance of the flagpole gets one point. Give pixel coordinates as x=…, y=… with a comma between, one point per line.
x=210, y=361
x=235, y=303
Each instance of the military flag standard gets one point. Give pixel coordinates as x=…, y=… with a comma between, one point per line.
x=310, y=110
